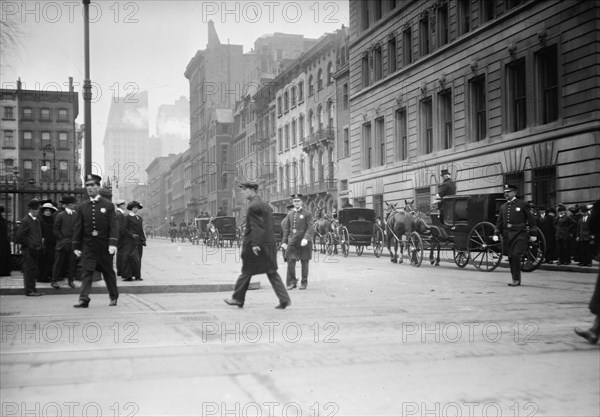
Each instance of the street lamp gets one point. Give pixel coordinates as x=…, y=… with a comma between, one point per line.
x=46, y=167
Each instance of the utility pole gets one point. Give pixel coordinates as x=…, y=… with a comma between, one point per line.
x=87, y=92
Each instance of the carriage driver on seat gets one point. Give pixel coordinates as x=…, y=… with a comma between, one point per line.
x=446, y=188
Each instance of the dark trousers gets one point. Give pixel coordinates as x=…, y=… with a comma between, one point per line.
x=291, y=272
x=31, y=270
x=515, y=267
x=564, y=250
x=46, y=263
x=585, y=252
x=64, y=261
x=120, y=251
x=243, y=282
x=141, y=252
x=108, y=273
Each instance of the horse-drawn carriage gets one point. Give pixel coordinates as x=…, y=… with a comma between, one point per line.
x=201, y=224
x=465, y=225
x=357, y=227
x=224, y=230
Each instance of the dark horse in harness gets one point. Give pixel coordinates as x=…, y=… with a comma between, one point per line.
x=321, y=226
x=397, y=225
x=435, y=233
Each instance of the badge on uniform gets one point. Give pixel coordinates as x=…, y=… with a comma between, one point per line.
x=302, y=216
x=293, y=230
x=518, y=208
x=102, y=210
x=94, y=233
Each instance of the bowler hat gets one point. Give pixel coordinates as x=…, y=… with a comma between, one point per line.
x=445, y=172
x=34, y=204
x=509, y=187
x=561, y=208
x=250, y=185
x=134, y=204
x=93, y=178
x=68, y=199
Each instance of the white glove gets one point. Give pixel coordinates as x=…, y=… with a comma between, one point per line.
x=533, y=238
x=77, y=253
x=284, y=246
x=495, y=238
x=256, y=250
x=112, y=250
x=304, y=242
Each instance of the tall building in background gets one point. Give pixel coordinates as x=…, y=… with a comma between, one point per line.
x=128, y=147
x=173, y=127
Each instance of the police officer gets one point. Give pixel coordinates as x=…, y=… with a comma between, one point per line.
x=515, y=221
x=297, y=241
x=95, y=237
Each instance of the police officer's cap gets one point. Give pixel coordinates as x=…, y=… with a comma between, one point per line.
x=69, y=199
x=93, y=178
x=299, y=196
x=509, y=187
x=445, y=172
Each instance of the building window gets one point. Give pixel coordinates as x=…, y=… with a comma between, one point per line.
x=391, y=55
x=293, y=96
x=544, y=186
x=311, y=124
x=423, y=199
x=464, y=16
x=301, y=127
x=364, y=14
x=8, y=113
x=28, y=170
x=294, y=134
x=280, y=139
x=512, y=3
x=63, y=170
x=424, y=41
x=63, y=140
x=378, y=11
x=547, y=72
x=517, y=179
x=445, y=106
x=346, y=147
x=478, y=108
x=401, y=134
x=301, y=172
x=28, y=139
x=517, y=100
x=319, y=117
x=427, y=125
x=320, y=79
x=9, y=139
x=300, y=91
x=380, y=140
x=367, y=146
x=377, y=64
x=345, y=98
x=287, y=136
x=311, y=87
x=311, y=169
x=329, y=73
x=63, y=115
x=286, y=101
x=442, y=24
x=27, y=113
x=279, y=109
x=366, y=81
x=487, y=10
x=330, y=114
x=45, y=114
x=407, y=46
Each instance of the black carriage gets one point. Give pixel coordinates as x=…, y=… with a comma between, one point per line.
x=466, y=225
x=357, y=227
x=225, y=230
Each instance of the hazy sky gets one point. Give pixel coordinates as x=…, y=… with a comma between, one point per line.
x=140, y=45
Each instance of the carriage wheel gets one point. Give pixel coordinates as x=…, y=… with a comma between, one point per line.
x=378, y=242
x=415, y=249
x=329, y=243
x=359, y=250
x=461, y=258
x=535, y=251
x=345, y=241
x=485, y=254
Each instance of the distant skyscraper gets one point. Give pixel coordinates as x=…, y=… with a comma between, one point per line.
x=128, y=148
x=173, y=126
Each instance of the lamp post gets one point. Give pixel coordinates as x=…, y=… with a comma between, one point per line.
x=87, y=91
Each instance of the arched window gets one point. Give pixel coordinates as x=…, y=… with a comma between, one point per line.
x=293, y=96
x=300, y=91
x=286, y=101
x=330, y=114
x=311, y=126
x=320, y=79
x=301, y=127
x=329, y=73
x=320, y=117
x=311, y=87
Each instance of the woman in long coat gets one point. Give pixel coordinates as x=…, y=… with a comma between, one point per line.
x=47, y=259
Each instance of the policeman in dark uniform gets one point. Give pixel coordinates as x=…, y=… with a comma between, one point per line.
x=95, y=237
x=297, y=241
x=515, y=221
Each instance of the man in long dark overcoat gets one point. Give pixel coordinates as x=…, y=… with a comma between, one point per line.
x=298, y=233
x=120, y=212
x=259, y=250
x=515, y=221
x=29, y=236
x=133, y=241
x=64, y=258
x=95, y=241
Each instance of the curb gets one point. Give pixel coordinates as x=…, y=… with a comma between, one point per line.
x=130, y=289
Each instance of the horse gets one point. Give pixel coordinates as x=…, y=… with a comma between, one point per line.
x=434, y=235
x=322, y=226
x=397, y=225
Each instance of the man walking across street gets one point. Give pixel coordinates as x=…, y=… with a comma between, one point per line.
x=297, y=242
x=259, y=250
x=120, y=212
x=133, y=241
x=64, y=258
x=29, y=235
x=95, y=241
x=515, y=220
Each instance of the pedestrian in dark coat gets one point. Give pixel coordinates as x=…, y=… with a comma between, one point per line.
x=47, y=257
x=446, y=188
x=584, y=238
x=548, y=228
x=6, y=264
x=593, y=334
x=29, y=236
x=259, y=249
x=298, y=233
x=120, y=212
x=64, y=258
x=566, y=228
x=95, y=241
x=133, y=240
x=515, y=221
